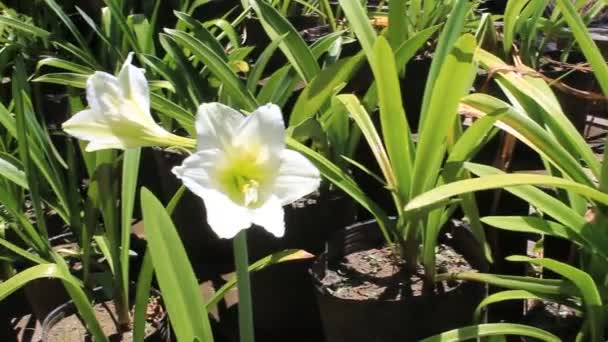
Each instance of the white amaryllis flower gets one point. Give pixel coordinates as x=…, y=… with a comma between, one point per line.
x=243, y=171
x=119, y=115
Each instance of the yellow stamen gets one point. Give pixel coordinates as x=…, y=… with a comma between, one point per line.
x=250, y=191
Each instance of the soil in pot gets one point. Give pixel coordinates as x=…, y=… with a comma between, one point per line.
x=376, y=274
x=364, y=294
x=64, y=324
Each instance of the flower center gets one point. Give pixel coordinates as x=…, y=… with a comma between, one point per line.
x=249, y=189
x=245, y=177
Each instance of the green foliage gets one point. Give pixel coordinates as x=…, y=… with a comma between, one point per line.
x=426, y=169
x=174, y=273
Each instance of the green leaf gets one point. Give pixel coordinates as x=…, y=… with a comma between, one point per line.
x=360, y=25
x=501, y=297
x=142, y=297
x=583, y=281
x=54, y=271
x=551, y=287
x=243, y=283
x=12, y=173
x=22, y=252
x=64, y=64
x=397, y=26
x=442, y=193
x=237, y=91
x=533, y=225
x=395, y=128
x=64, y=78
x=80, y=299
x=202, y=34
x=511, y=15
x=174, y=272
x=130, y=170
x=279, y=86
x=528, y=132
x=7, y=121
x=343, y=181
x=260, y=64
x=69, y=24
x=293, y=46
x=144, y=280
x=454, y=80
x=447, y=39
x=322, y=87
x=173, y=111
x=20, y=279
x=325, y=43
x=99, y=34
x=143, y=32
x=269, y=260
x=193, y=85
x=553, y=207
x=227, y=30
x=77, y=53
x=533, y=89
x=595, y=58
x=365, y=124
x=121, y=20
x=22, y=114
x=492, y=329
x=403, y=54
x=24, y=27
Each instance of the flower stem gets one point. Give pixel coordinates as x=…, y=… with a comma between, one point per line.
x=178, y=141
x=244, y=287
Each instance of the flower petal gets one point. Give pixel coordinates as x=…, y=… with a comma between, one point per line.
x=91, y=126
x=264, y=128
x=135, y=88
x=197, y=171
x=270, y=216
x=98, y=145
x=103, y=93
x=297, y=177
x=216, y=124
x=225, y=217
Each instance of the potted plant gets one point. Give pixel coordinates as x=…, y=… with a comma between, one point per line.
x=575, y=217
x=401, y=247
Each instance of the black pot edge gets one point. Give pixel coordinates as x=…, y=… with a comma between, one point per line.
x=161, y=334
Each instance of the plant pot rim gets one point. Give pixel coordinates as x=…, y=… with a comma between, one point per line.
x=320, y=263
x=54, y=316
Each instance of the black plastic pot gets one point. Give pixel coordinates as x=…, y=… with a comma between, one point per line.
x=284, y=305
x=283, y=295
x=162, y=333
x=409, y=319
x=45, y=294
x=309, y=222
x=14, y=309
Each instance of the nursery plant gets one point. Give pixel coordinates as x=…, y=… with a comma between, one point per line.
x=527, y=30
x=245, y=165
x=428, y=197
x=33, y=176
x=575, y=214
x=410, y=166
